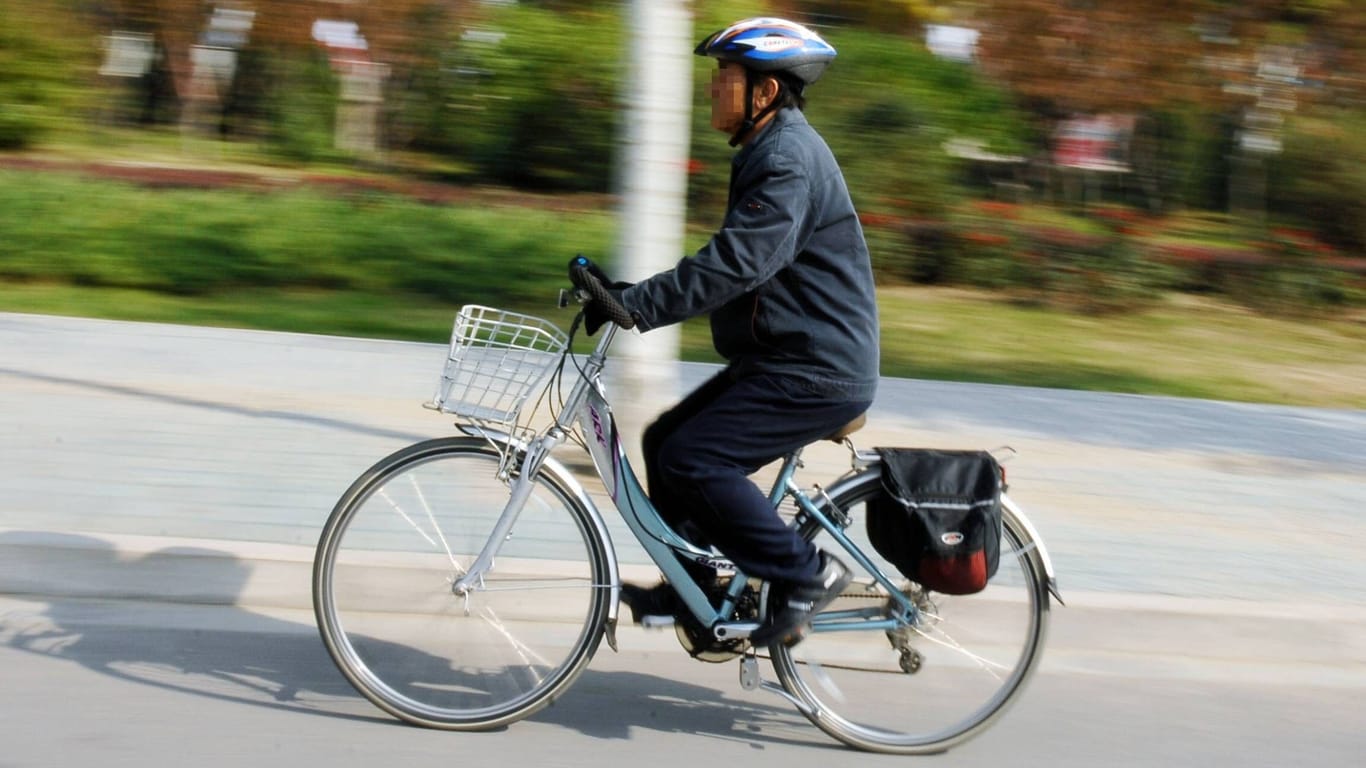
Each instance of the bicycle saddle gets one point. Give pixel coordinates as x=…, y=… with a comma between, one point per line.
x=848, y=429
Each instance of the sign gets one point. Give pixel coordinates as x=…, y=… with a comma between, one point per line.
x=1095, y=143
x=953, y=43
x=128, y=54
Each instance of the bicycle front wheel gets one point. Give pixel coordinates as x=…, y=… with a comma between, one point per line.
x=926, y=687
x=382, y=589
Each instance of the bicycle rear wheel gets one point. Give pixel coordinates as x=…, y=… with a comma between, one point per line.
x=927, y=687
x=382, y=589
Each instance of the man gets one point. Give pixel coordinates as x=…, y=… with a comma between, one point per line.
x=789, y=289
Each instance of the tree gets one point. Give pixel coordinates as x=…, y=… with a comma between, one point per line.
x=1079, y=56
x=40, y=60
x=173, y=24
x=903, y=16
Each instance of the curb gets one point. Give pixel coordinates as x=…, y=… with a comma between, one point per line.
x=167, y=569
x=1096, y=634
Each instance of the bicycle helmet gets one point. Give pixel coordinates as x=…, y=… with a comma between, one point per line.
x=769, y=46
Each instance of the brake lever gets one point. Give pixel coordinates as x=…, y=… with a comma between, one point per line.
x=576, y=295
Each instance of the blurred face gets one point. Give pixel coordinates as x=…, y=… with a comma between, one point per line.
x=727, y=97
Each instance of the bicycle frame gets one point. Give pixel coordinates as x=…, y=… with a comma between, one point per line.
x=587, y=407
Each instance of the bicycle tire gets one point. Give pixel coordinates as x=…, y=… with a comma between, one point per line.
x=382, y=589
x=969, y=658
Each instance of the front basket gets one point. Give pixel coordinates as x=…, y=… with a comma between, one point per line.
x=496, y=360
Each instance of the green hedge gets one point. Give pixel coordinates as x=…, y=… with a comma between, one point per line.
x=1114, y=258
x=190, y=242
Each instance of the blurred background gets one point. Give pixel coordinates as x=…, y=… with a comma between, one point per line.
x=1164, y=197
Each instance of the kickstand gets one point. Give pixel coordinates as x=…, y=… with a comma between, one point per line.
x=751, y=679
x=749, y=671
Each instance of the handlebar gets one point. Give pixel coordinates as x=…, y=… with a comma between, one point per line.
x=589, y=277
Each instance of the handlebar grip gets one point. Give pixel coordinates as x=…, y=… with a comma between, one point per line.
x=588, y=276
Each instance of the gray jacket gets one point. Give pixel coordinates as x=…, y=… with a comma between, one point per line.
x=787, y=278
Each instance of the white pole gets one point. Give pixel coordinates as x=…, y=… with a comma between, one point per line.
x=653, y=192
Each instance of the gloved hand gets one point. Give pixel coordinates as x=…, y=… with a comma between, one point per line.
x=594, y=315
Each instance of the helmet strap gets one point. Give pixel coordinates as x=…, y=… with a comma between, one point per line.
x=752, y=119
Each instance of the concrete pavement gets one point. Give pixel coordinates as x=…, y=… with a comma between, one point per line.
x=197, y=465
x=163, y=487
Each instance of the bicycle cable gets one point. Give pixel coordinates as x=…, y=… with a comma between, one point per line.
x=557, y=383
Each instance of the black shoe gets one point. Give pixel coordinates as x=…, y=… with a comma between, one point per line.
x=791, y=607
x=651, y=606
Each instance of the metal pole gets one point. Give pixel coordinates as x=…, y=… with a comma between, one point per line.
x=653, y=193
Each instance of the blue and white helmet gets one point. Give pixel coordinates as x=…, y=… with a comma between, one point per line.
x=770, y=45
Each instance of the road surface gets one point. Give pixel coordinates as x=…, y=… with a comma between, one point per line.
x=164, y=486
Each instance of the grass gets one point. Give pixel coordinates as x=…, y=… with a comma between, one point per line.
x=336, y=313
x=376, y=266
x=1187, y=346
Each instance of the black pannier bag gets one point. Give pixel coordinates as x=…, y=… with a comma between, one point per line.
x=938, y=518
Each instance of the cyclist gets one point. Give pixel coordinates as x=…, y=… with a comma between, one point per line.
x=789, y=288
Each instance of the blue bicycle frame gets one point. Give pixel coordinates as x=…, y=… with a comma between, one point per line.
x=587, y=406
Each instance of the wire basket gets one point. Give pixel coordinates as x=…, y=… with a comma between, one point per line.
x=497, y=359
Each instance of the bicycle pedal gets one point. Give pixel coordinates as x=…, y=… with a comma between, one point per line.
x=657, y=622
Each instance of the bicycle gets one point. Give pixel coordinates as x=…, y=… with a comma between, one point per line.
x=465, y=582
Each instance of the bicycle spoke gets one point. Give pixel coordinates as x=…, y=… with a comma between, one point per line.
x=436, y=527
x=525, y=586
x=928, y=684
x=384, y=493
x=948, y=642
x=504, y=648
x=523, y=650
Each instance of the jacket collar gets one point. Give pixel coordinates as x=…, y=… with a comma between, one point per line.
x=782, y=118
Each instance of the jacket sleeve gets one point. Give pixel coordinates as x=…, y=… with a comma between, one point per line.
x=764, y=230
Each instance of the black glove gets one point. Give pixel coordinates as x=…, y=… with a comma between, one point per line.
x=594, y=315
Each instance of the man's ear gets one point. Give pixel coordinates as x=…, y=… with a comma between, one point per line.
x=766, y=92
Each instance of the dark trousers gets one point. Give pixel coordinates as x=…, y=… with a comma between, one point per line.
x=700, y=453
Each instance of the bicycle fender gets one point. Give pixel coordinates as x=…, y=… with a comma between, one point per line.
x=566, y=478
x=1038, y=545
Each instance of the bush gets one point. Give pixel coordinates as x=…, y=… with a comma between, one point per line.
x=302, y=106
x=1289, y=274
x=1093, y=273
x=21, y=125
x=197, y=242
x=927, y=255
x=542, y=110
x=40, y=59
x=1038, y=255
x=1319, y=180
x=887, y=107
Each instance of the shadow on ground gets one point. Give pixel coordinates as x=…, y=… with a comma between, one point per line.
x=229, y=653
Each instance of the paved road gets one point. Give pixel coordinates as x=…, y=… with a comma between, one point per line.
x=152, y=685
x=153, y=430
x=163, y=487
